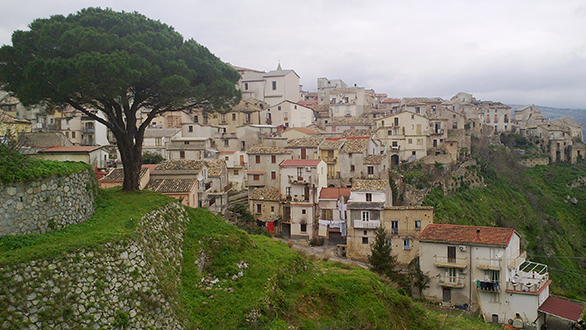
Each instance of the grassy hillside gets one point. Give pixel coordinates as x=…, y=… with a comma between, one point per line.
x=235, y=281
x=538, y=202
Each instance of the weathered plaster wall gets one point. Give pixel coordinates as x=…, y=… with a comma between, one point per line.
x=130, y=284
x=47, y=204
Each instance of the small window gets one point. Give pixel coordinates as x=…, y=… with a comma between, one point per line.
x=364, y=240
x=273, y=159
x=274, y=85
x=258, y=159
x=303, y=211
x=303, y=227
x=272, y=209
x=182, y=154
x=245, y=86
x=417, y=224
x=258, y=208
x=235, y=172
x=195, y=119
x=256, y=177
x=190, y=129
x=233, y=116
x=273, y=175
x=390, y=132
x=368, y=197
x=73, y=135
x=226, y=142
x=352, y=168
x=370, y=169
x=185, y=142
x=365, y=215
x=407, y=244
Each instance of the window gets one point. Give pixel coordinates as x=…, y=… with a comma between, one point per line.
x=394, y=227
x=365, y=215
x=273, y=175
x=396, y=121
x=182, y=154
x=235, y=172
x=300, y=172
x=256, y=177
x=288, y=191
x=258, y=159
x=419, y=142
x=279, y=108
x=364, y=240
x=73, y=135
x=259, y=208
x=273, y=159
x=223, y=116
x=185, y=142
x=352, y=168
x=274, y=85
x=390, y=132
x=370, y=169
x=195, y=119
x=272, y=209
x=452, y=275
x=303, y=211
x=245, y=86
x=303, y=227
x=327, y=214
x=226, y=142
x=233, y=116
x=158, y=141
x=190, y=129
x=407, y=244
x=410, y=141
x=417, y=110
x=417, y=224
x=368, y=197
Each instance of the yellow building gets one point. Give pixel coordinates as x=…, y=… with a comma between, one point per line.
x=11, y=126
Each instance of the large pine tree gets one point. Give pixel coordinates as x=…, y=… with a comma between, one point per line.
x=381, y=259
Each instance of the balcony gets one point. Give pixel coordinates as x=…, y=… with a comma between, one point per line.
x=529, y=278
x=515, y=263
x=488, y=264
x=488, y=286
x=452, y=282
x=371, y=224
x=330, y=161
x=445, y=262
x=299, y=179
x=88, y=129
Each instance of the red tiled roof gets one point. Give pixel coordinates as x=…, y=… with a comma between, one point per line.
x=72, y=149
x=227, y=152
x=467, y=234
x=301, y=162
x=256, y=172
x=334, y=193
x=304, y=130
x=562, y=308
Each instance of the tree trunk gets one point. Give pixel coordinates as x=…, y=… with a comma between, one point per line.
x=131, y=155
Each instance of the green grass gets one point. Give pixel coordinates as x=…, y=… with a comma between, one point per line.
x=16, y=167
x=281, y=288
x=115, y=217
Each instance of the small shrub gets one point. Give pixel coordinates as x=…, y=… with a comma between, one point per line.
x=122, y=319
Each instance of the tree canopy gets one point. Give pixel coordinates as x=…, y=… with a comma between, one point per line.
x=119, y=63
x=381, y=259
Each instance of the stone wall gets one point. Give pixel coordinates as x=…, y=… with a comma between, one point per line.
x=47, y=204
x=127, y=284
x=532, y=162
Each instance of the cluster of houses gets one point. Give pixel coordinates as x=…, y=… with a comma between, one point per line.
x=316, y=165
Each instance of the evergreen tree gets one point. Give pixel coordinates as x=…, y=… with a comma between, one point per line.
x=381, y=260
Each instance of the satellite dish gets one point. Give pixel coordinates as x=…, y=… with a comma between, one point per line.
x=499, y=255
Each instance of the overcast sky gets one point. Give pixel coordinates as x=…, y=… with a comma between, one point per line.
x=513, y=51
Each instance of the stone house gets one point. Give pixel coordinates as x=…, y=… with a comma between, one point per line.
x=298, y=132
x=340, y=125
x=406, y=136
x=263, y=167
x=272, y=87
x=184, y=190
x=329, y=152
x=96, y=156
x=344, y=101
x=11, y=126
x=377, y=166
x=236, y=163
x=305, y=147
x=484, y=268
x=265, y=204
x=220, y=185
x=187, y=169
x=156, y=140
x=116, y=178
x=301, y=181
x=332, y=218
x=368, y=199
x=404, y=224
x=496, y=115
x=352, y=156
x=246, y=112
x=288, y=114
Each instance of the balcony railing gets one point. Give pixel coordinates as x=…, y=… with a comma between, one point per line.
x=88, y=129
x=299, y=179
x=366, y=224
x=530, y=277
x=488, y=264
x=450, y=262
x=452, y=281
x=488, y=286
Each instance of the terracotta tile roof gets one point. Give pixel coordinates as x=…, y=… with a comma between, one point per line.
x=350, y=121
x=419, y=100
x=6, y=118
x=180, y=165
x=391, y=101
x=334, y=193
x=255, y=172
x=357, y=133
x=369, y=185
x=374, y=159
x=305, y=142
x=332, y=144
x=249, y=105
x=562, y=308
x=117, y=174
x=305, y=130
x=74, y=149
x=322, y=108
x=467, y=234
x=355, y=145
x=227, y=152
x=216, y=166
x=267, y=194
x=315, y=128
x=267, y=150
x=300, y=162
x=171, y=185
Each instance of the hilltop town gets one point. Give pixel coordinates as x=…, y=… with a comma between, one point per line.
x=321, y=167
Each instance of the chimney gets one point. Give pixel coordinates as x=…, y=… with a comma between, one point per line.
x=478, y=234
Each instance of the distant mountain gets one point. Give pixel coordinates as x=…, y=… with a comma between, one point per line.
x=556, y=113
